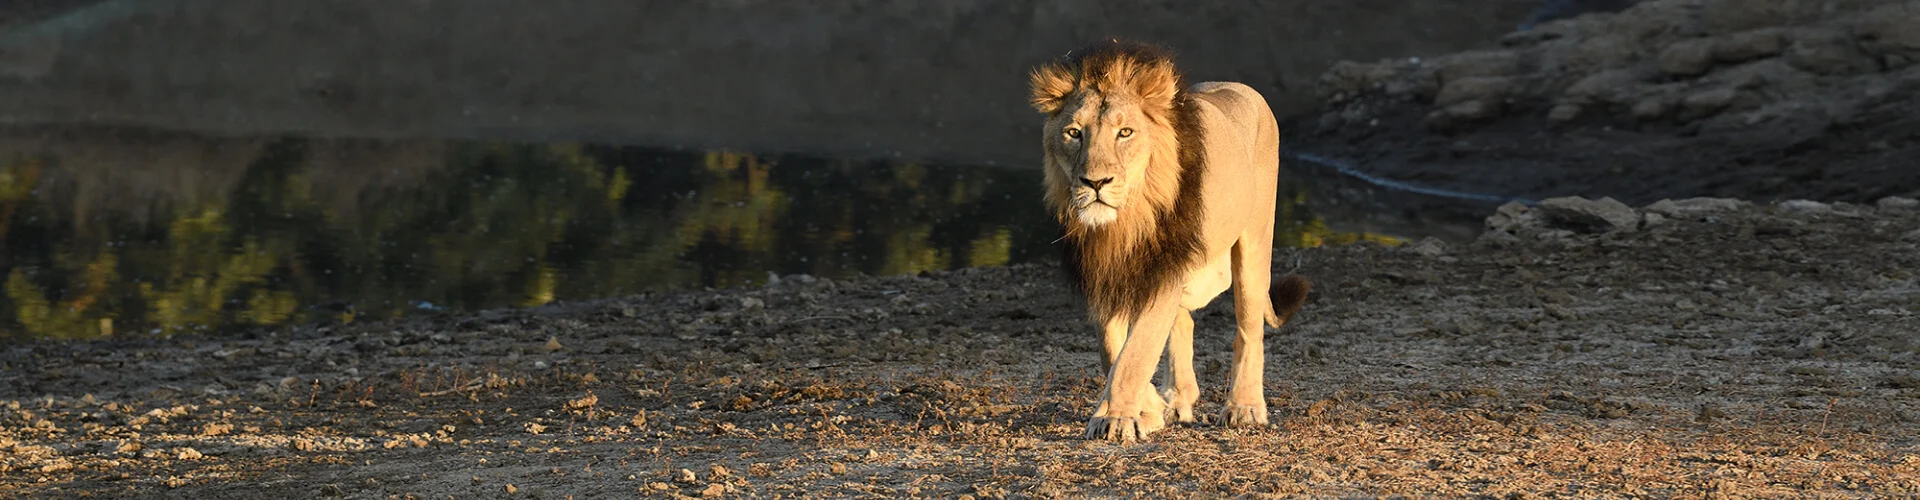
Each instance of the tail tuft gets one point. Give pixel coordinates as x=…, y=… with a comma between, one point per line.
x=1287, y=295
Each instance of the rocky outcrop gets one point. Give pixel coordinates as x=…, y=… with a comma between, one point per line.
x=1714, y=63
x=1568, y=216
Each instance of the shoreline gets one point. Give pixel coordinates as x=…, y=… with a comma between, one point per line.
x=1574, y=348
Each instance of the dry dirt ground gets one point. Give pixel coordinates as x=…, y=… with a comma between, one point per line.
x=1703, y=349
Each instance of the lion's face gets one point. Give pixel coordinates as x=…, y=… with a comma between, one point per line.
x=1100, y=146
x=1108, y=124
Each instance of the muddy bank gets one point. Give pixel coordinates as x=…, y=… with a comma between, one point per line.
x=1578, y=348
x=1755, y=99
x=856, y=77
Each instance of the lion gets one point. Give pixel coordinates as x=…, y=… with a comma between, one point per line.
x=1165, y=197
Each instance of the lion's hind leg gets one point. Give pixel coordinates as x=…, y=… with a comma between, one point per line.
x=1246, y=393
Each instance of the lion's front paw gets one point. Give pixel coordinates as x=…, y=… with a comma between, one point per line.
x=1123, y=429
x=1243, y=416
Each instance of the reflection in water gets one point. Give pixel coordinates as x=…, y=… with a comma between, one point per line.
x=158, y=234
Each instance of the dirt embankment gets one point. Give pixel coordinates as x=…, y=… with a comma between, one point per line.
x=1754, y=99
x=1701, y=348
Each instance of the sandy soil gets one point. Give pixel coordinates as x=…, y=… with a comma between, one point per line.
x=1703, y=349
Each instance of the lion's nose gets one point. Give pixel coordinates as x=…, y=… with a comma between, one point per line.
x=1096, y=184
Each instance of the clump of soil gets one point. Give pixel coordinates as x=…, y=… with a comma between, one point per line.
x=1753, y=99
x=1580, y=347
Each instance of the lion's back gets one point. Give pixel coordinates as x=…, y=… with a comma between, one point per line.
x=1239, y=122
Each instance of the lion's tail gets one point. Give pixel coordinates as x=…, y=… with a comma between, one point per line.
x=1287, y=296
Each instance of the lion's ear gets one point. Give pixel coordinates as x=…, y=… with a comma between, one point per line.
x=1157, y=83
x=1050, y=85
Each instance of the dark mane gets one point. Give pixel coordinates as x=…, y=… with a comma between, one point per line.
x=1128, y=285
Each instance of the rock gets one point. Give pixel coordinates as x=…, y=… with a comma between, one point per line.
x=1651, y=108
x=1892, y=32
x=1694, y=206
x=1806, y=206
x=1475, y=64
x=1602, y=215
x=1686, y=58
x=1828, y=52
x=1564, y=112
x=1550, y=10
x=1428, y=247
x=1611, y=86
x=1456, y=115
x=1478, y=88
x=1897, y=203
x=1750, y=45
x=1721, y=17
x=1512, y=217
x=1348, y=79
x=1651, y=219
x=1707, y=102
x=751, y=303
x=686, y=476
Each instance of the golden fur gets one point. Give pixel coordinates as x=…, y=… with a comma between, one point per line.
x=1130, y=175
x=1119, y=267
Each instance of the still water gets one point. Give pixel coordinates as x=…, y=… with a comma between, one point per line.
x=128, y=232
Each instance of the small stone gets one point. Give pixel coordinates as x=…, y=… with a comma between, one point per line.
x=1602, y=215
x=1694, y=206
x=1651, y=219
x=1511, y=217
x=1708, y=102
x=1651, y=108
x=185, y=453
x=714, y=490
x=1347, y=79
x=717, y=472
x=685, y=476
x=1428, y=247
x=1897, y=203
x=1892, y=30
x=1747, y=46
x=553, y=344
x=1722, y=17
x=511, y=489
x=1458, y=114
x=1481, y=63
x=751, y=303
x=1686, y=58
x=1806, y=206
x=1564, y=112
x=1829, y=53
x=331, y=490
x=1479, y=88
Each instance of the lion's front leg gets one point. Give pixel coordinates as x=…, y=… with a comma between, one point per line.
x=1130, y=409
x=1186, y=390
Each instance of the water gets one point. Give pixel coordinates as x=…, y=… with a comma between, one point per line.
x=130, y=232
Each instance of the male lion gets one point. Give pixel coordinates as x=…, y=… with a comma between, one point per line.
x=1161, y=191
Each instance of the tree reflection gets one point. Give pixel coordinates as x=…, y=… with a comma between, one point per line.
x=489, y=224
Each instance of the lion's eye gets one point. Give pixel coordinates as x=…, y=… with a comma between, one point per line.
x=1073, y=132
x=1126, y=132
